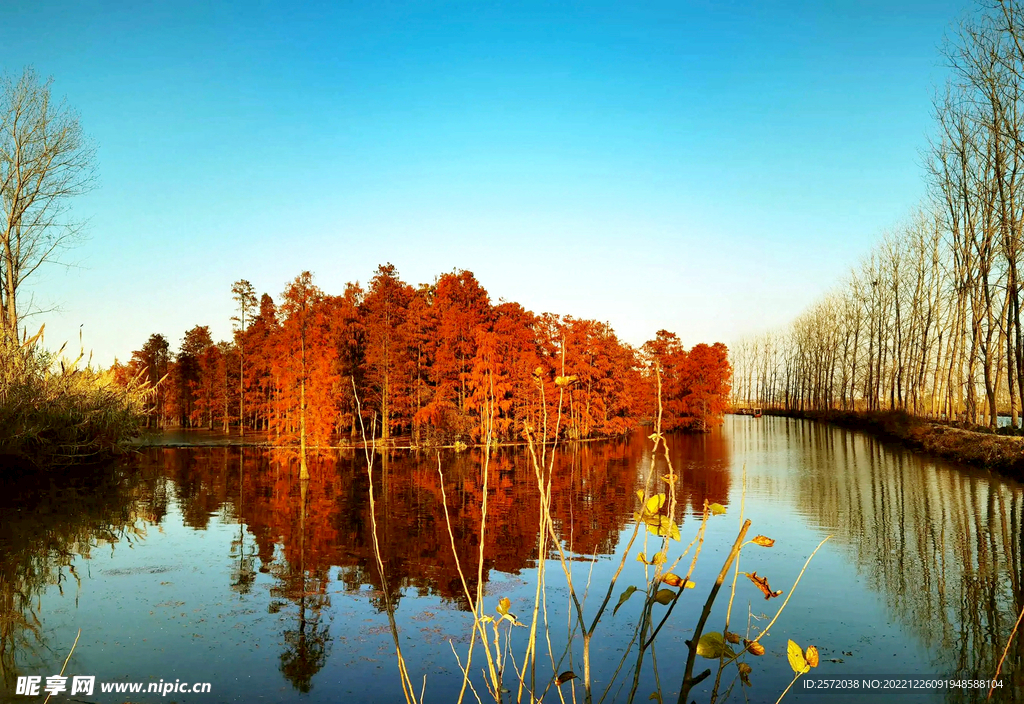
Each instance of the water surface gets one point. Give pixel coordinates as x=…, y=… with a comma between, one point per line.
x=214, y=564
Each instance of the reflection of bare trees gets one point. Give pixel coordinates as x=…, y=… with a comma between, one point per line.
x=46, y=528
x=243, y=575
x=942, y=543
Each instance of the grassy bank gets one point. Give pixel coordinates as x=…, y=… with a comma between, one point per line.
x=975, y=446
x=55, y=413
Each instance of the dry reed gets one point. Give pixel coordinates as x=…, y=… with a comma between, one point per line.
x=56, y=412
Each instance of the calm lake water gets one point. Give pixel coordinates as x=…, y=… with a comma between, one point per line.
x=212, y=564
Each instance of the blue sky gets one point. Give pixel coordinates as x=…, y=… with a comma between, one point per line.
x=709, y=168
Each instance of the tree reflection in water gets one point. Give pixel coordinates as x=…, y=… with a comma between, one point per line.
x=244, y=575
x=46, y=527
x=941, y=544
x=307, y=645
x=301, y=532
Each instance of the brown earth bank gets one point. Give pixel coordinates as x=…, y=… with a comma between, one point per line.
x=958, y=442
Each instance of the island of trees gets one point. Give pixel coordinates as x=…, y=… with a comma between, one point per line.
x=432, y=364
x=425, y=365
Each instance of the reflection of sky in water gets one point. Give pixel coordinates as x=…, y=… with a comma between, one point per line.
x=886, y=596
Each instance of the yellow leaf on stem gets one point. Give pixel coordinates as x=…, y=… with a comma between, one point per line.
x=796, y=659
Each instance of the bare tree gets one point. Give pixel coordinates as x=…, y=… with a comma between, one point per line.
x=44, y=161
x=245, y=296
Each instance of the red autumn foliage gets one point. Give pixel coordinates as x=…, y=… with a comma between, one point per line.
x=305, y=364
x=429, y=365
x=695, y=385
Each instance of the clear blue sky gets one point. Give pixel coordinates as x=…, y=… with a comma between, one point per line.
x=706, y=167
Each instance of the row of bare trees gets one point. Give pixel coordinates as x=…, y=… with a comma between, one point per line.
x=930, y=320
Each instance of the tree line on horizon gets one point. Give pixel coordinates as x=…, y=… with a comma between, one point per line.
x=433, y=364
x=930, y=321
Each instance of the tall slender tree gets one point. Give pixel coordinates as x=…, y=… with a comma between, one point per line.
x=245, y=297
x=386, y=360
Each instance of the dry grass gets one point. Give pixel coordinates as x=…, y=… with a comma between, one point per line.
x=55, y=412
x=507, y=678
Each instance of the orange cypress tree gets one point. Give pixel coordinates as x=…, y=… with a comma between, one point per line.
x=707, y=378
x=694, y=385
x=490, y=387
x=207, y=387
x=517, y=344
x=421, y=326
x=430, y=360
x=259, y=378
x=154, y=364
x=461, y=306
x=305, y=364
x=386, y=363
x=348, y=334
x=665, y=353
x=187, y=379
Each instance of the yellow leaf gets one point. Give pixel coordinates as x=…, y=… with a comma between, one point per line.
x=658, y=559
x=711, y=646
x=672, y=579
x=669, y=528
x=660, y=528
x=664, y=596
x=763, y=541
x=640, y=494
x=716, y=509
x=503, y=606
x=796, y=659
x=651, y=521
x=655, y=503
x=811, y=656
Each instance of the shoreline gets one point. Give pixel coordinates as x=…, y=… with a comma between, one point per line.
x=1002, y=454
x=184, y=438
x=981, y=448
